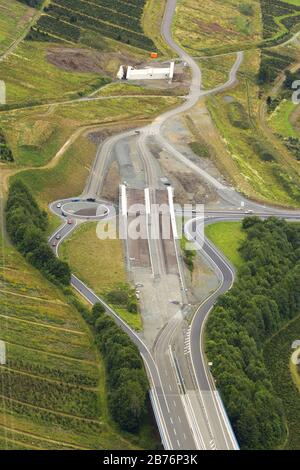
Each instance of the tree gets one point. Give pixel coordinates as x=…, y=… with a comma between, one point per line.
x=97, y=311
x=127, y=405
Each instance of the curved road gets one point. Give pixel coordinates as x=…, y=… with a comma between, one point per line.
x=186, y=421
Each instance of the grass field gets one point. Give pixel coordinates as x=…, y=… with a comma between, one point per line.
x=215, y=70
x=279, y=120
x=36, y=134
x=151, y=21
x=127, y=88
x=225, y=26
x=277, y=354
x=99, y=263
x=52, y=392
x=261, y=171
x=216, y=25
x=227, y=236
x=67, y=178
x=30, y=77
x=14, y=17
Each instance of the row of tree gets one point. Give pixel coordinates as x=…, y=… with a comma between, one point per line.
x=26, y=226
x=6, y=154
x=32, y=3
x=264, y=297
x=126, y=377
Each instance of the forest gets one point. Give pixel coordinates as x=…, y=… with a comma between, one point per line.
x=26, y=225
x=264, y=298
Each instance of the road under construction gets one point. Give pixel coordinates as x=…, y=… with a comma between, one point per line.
x=187, y=406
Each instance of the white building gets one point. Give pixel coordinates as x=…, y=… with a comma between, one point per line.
x=121, y=73
x=147, y=73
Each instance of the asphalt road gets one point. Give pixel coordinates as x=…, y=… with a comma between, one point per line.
x=187, y=419
x=226, y=275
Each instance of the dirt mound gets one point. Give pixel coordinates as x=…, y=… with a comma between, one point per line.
x=75, y=60
x=86, y=60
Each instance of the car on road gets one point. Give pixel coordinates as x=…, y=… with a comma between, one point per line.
x=249, y=212
x=137, y=132
x=70, y=221
x=58, y=236
x=91, y=199
x=58, y=205
x=54, y=243
x=75, y=200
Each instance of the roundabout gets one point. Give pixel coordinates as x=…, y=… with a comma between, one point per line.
x=85, y=210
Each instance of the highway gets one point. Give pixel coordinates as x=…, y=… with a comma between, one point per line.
x=187, y=406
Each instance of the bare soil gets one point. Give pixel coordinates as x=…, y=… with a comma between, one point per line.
x=86, y=60
x=112, y=181
x=189, y=188
x=213, y=28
